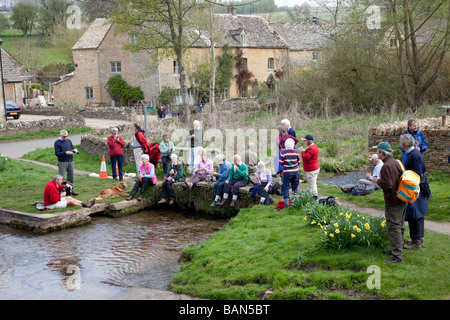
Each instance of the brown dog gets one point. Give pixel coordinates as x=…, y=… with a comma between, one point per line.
x=113, y=192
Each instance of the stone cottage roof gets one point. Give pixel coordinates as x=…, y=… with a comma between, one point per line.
x=257, y=31
x=301, y=36
x=94, y=35
x=13, y=70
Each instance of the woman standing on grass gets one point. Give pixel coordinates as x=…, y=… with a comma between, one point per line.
x=115, y=145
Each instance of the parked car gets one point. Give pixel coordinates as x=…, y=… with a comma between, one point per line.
x=13, y=109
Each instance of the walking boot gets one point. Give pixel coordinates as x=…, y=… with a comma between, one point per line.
x=414, y=244
x=171, y=201
x=140, y=197
x=163, y=200
x=233, y=203
x=130, y=197
x=88, y=203
x=214, y=204
x=346, y=189
x=222, y=203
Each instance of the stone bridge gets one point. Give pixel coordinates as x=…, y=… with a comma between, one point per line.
x=197, y=199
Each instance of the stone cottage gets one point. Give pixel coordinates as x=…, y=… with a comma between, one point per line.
x=99, y=54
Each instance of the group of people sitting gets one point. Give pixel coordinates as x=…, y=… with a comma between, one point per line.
x=228, y=179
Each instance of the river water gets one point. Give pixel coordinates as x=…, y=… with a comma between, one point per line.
x=98, y=260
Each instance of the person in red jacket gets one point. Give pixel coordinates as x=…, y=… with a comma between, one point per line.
x=310, y=158
x=55, y=196
x=115, y=145
x=140, y=145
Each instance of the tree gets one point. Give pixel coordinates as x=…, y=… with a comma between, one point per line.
x=53, y=15
x=422, y=32
x=4, y=22
x=160, y=28
x=23, y=17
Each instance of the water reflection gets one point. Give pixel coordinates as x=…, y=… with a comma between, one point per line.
x=98, y=260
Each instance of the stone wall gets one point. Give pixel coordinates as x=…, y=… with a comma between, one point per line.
x=95, y=143
x=17, y=127
x=110, y=113
x=438, y=137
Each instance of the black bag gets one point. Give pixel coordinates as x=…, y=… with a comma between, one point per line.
x=329, y=201
x=69, y=188
x=277, y=188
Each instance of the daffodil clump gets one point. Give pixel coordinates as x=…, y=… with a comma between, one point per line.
x=341, y=228
x=3, y=162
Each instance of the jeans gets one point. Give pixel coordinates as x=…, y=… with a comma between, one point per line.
x=264, y=193
x=164, y=160
x=167, y=189
x=141, y=185
x=234, y=186
x=117, y=160
x=290, y=179
x=218, y=187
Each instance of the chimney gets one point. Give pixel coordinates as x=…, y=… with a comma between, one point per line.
x=231, y=10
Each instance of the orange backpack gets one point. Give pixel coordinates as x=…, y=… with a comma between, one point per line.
x=408, y=187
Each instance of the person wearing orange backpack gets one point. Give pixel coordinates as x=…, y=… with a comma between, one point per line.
x=395, y=209
x=416, y=211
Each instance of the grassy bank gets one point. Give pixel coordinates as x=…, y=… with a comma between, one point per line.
x=23, y=183
x=438, y=206
x=278, y=254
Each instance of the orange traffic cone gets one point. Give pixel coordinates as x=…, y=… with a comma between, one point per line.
x=103, y=174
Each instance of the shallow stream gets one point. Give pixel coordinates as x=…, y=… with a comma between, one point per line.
x=98, y=260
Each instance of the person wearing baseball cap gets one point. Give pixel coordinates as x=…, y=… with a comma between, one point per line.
x=310, y=158
x=395, y=209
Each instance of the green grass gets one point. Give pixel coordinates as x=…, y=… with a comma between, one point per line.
x=50, y=54
x=23, y=183
x=40, y=134
x=82, y=161
x=262, y=250
x=438, y=206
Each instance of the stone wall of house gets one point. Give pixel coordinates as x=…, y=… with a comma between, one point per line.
x=86, y=74
x=18, y=127
x=438, y=137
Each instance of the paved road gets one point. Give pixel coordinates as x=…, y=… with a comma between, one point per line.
x=18, y=149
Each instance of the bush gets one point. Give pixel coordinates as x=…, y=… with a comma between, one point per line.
x=121, y=90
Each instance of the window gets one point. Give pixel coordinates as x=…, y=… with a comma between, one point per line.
x=175, y=66
x=89, y=93
x=243, y=39
x=244, y=63
x=315, y=55
x=244, y=92
x=270, y=64
x=116, y=66
x=225, y=93
x=132, y=37
x=393, y=42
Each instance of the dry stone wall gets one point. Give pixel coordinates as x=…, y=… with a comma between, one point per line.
x=438, y=137
x=95, y=143
x=17, y=127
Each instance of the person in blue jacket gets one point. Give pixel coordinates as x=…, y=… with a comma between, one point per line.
x=64, y=150
x=416, y=211
x=221, y=176
x=420, y=142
